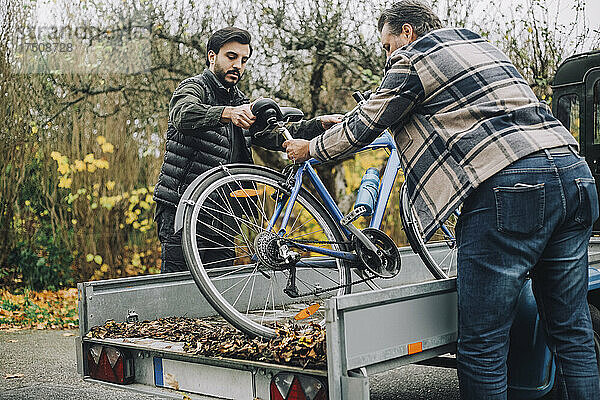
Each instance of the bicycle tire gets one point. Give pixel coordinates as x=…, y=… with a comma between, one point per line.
x=212, y=282
x=440, y=252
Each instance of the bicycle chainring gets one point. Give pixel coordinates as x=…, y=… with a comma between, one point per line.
x=385, y=265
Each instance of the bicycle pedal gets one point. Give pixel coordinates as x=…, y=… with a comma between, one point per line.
x=353, y=215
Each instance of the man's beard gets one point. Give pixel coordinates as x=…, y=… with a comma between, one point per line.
x=221, y=73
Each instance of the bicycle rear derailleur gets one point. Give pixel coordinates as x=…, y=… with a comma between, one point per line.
x=273, y=252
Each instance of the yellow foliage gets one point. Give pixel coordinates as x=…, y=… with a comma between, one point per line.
x=89, y=158
x=110, y=185
x=91, y=168
x=58, y=310
x=101, y=163
x=101, y=140
x=55, y=155
x=65, y=182
x=79, y=165
x=107, y=147
x=63, y=168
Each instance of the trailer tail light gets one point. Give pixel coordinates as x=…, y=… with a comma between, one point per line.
x=110, y=364
x=286, y=386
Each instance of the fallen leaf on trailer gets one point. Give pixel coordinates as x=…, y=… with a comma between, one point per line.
x=68, y=334
x=13, y=376
x=213, y=337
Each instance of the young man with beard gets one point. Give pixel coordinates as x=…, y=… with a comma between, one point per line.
x=470, y=130
x=208, y=126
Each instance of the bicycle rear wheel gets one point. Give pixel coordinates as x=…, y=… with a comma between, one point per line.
x=439, y=253
x=225, y=221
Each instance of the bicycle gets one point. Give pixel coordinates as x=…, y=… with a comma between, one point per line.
x=285, y=251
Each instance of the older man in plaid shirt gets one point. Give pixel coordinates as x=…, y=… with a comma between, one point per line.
x=470, y=130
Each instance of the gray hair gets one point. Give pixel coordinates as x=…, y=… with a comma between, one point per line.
x=413, y=12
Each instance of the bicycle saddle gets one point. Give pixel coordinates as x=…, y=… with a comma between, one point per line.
x=268, y=113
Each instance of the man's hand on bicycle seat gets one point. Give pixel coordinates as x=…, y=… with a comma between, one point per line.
x=240, y=116
x=297, y=149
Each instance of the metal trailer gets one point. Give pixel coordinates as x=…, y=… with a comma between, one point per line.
x=414, y=322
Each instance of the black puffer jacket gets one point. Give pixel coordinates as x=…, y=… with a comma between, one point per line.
x=196, y=139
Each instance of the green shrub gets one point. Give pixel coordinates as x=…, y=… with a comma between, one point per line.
x=42, y=262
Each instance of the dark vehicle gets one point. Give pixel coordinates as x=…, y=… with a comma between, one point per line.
x=576, y=103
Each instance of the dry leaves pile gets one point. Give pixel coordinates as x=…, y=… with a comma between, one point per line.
x=38, y=310
x=304, y=348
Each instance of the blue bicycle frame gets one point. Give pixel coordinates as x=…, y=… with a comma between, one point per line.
x=387, y=183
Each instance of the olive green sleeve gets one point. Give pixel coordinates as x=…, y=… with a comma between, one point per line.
x=188, y=112
x=299, y=130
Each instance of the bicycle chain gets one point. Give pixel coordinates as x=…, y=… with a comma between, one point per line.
x=324, y=290
x=306, y=241
x=316, y=292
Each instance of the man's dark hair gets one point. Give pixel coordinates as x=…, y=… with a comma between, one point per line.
x=413, y=12
x=226, y=35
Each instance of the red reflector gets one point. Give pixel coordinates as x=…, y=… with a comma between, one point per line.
x=275, y=395
x=287, y=386
x=296, y=392
x=109, y=364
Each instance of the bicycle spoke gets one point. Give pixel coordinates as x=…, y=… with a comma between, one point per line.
x=223, y=260
x=251, y=292
x=240, y=230
x=306, y=222
x=246, y=284
x=249, y=223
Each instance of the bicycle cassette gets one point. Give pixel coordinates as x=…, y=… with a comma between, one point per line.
x=386, y=263
x=272, y=253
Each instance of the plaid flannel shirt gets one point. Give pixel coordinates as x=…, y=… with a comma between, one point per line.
x=459, y=112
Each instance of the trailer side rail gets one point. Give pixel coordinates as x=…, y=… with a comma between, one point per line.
x=373, y=332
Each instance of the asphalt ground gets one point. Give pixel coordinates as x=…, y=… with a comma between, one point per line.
x=42, y=365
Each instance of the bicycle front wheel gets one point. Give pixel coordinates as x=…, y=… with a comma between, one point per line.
x=227, y=243
x=439, y=253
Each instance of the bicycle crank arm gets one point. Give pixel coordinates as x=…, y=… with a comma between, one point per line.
x=362, y=238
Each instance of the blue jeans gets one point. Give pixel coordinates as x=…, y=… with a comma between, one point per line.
x=532, y=219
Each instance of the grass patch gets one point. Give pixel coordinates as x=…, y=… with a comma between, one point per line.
x=27, y=309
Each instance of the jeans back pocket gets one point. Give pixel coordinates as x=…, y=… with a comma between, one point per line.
x=520, y=208
x=587, y=209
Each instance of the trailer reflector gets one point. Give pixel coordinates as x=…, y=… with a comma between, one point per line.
x=110, y=364
x=288, y=386
x=415, y=347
